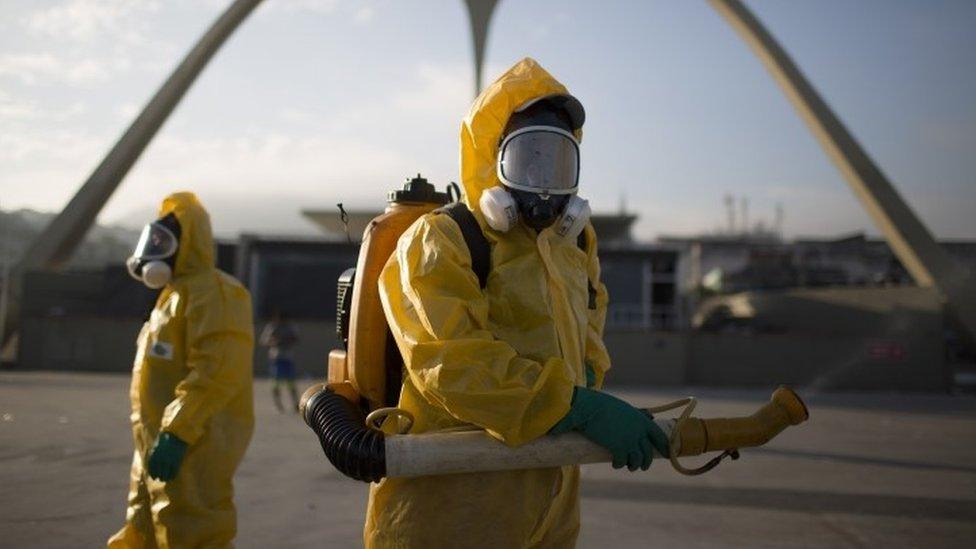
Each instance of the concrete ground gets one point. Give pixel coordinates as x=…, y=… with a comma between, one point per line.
x=866, y=471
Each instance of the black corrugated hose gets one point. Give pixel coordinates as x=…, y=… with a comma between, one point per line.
x=354, y=449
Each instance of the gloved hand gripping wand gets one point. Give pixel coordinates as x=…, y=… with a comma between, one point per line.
x=358, y=448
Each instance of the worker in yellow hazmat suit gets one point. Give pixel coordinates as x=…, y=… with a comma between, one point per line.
x=192, y=405
x=515, y=356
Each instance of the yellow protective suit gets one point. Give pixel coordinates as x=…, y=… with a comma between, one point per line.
x=505, y=359
x=192, y=376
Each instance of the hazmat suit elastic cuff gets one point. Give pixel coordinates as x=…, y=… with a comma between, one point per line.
x=594, y=375
x=182, y=430
x=600, y=376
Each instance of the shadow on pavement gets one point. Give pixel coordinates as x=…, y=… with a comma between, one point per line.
x=862, y=460
x=786, y=500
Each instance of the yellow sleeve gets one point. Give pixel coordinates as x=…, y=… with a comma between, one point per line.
x=439, y=317
x=596, y=351
x=220, y=341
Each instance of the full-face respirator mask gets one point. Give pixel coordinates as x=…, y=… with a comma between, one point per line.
x=538, y=166
x=154, y=258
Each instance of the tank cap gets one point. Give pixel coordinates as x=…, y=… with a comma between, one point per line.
x=417, y=189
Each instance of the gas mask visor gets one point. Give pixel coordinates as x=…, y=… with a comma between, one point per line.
x=156, y=243
x=539, y=159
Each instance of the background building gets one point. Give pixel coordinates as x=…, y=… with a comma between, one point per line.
x=719, y=309
x=88, y=319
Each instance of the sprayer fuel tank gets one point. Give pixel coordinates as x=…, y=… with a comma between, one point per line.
x=367, y=356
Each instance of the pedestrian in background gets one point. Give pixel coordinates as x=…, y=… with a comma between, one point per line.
x=280, y=337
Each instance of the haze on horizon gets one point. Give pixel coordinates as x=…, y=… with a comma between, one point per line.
x=314, y=102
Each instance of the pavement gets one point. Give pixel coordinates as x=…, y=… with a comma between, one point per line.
x=867, y=470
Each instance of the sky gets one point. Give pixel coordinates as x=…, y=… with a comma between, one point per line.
x=315, y=102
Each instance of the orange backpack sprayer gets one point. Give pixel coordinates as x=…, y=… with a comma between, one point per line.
x=365, y=437
x=368, y=370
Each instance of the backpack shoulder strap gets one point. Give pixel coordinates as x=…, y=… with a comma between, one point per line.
x=581, y=242
x=478, y=245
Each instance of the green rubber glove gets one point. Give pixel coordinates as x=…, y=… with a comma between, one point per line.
x=166, y=456
x=590, y=376
x=628, y=433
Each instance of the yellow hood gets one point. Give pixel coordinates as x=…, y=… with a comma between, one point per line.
x=196, y=252
x=482, y=128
